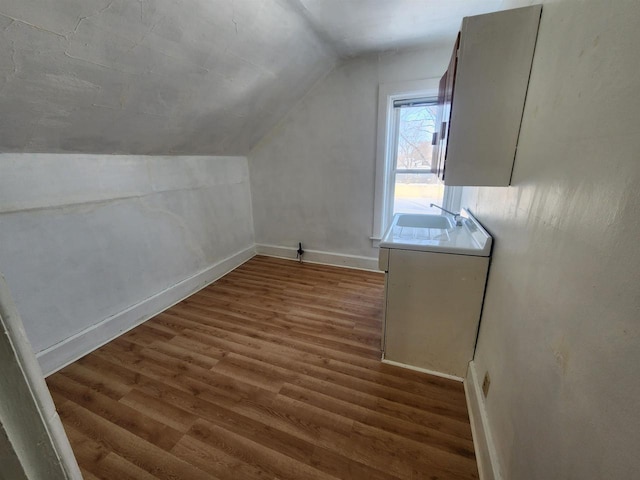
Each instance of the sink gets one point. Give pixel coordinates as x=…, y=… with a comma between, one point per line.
x=437, y=233
x=423, y=221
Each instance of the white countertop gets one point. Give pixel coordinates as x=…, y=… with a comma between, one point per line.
x=468, y=239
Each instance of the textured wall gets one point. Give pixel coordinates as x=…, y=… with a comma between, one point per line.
x=312, y=177
x=560, y=331
x=151, y=76
x=84, y=237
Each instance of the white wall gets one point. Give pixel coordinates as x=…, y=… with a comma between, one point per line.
x=83, y=238
x=312, y=177
x=560, y=332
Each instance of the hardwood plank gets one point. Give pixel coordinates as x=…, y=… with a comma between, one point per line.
x=223, y=464
x=88, y=453
x=164, y=412
x=407, y=429
x=274, y=463
x=146, y=334
x=310, y=326
x=256, y=281
x=124, y=416
x=266, y=432
x=141, y=453
x=298, y=363
x=57, y=398
x=220, y=412
x=115, y=467
x=98, y=462
x=220, y=296
x=87, y=475
x=248, y=327
x=110, y=368
x=404, y=456
x=273, y=371
x=209, y=334
x=182, y=366
x=286, y=421
x=215, y=461
x=378, y=389
x=318, y=273
x=143, y=365
x=266, y=357
x=97, y=381
x=343, y=466
x=183, y=354
x=422, y=416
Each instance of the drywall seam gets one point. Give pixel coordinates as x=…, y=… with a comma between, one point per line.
x=9, y=209
x=486, y=455
x=71, y=349
x=323, y=258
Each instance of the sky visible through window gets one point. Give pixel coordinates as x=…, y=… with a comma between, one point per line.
x=415, y=186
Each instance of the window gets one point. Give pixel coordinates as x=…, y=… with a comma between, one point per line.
x=413, y=186
x=404, y=182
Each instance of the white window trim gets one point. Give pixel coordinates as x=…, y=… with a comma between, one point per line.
x=387, y=93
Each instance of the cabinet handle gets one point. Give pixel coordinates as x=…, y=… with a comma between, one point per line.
x=434, y=138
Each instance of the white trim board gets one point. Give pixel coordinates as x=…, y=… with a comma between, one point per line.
x=28, y=416
x=423, y=370
x=486, y=454
x=71, y=349
x=387, y=93
x=323, y=258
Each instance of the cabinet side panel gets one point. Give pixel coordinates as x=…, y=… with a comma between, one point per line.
x=494, y=63
x=433, y=309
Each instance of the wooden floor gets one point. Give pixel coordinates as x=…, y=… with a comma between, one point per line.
x=272, y=372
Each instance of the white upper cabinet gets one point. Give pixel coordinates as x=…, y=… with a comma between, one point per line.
x=482, y=97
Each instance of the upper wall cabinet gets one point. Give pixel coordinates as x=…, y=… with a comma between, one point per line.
x=482, y=97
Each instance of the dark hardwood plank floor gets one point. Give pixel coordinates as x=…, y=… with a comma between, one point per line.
x=272, y=372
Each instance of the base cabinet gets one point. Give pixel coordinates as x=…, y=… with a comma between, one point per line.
x=432, y=311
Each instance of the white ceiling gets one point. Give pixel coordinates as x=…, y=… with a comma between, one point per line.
x=353, y=27
x=185, y=76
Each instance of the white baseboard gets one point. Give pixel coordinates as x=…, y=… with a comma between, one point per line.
x=486, y=455
x=323, y=258
x=423, y=370
x=71, y=349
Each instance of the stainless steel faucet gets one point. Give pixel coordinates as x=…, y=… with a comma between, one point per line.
x=456, y=216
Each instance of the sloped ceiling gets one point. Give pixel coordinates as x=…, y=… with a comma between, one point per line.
x=184, y=76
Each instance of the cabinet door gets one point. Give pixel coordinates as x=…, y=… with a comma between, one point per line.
x=445, y=101
x=433, y=308
x=437, y=163
x=491, y=81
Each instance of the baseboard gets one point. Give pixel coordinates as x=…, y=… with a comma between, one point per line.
x=422, y=370
x=486, y=455
x=71, y=349
x=323, y=258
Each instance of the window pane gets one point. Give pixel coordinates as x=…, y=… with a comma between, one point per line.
x=415, y=132
x=415, y=192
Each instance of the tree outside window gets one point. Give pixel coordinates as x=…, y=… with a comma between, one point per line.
x=415, y=187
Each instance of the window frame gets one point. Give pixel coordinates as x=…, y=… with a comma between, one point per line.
x=386, y=146
x=393, y=169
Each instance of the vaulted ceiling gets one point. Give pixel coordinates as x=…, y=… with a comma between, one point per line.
x=185, y=76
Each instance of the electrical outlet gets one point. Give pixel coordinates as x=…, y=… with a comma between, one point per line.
x=486, y=383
